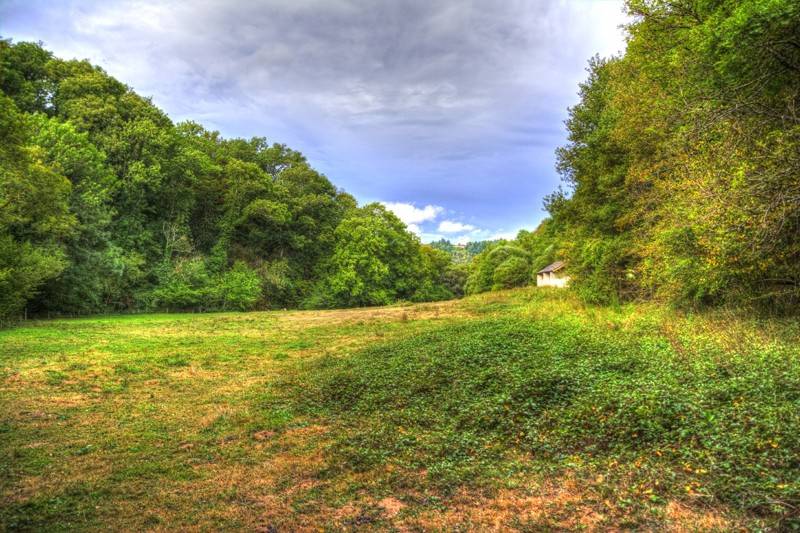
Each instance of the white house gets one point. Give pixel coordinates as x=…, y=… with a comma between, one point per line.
x=552, y=276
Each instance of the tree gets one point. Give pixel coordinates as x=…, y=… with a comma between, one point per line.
x=375, y=260
x=513, y=272
x=500, y=266
x=436, y=279
x=87, y=283
x=105, y=204
x=34, y=214
x=682, y=162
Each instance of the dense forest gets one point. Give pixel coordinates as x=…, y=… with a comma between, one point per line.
x=681, y=183
x=683, y=166
x=682, y=170
x=107, y=205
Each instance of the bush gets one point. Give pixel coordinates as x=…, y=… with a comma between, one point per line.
x=239, y=288
x=513, y=272
x=188, y=285
x=455, y=278
x=182, y=286
x=482, y=275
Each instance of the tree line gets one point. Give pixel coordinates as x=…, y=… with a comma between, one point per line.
x=682, y=168
x=681, y=183
x=107, y=205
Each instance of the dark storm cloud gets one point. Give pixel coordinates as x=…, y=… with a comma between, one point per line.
x=432, y=102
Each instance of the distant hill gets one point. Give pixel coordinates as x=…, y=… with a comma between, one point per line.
x=462, y=253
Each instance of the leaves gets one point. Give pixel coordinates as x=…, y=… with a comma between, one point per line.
x=139, y=212
x=683, y=159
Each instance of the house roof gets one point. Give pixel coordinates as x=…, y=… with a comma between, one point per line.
x=553, y=267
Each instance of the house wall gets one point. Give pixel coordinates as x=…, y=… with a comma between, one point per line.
x=552, y=279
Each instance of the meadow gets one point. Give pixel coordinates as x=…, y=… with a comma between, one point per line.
x=521, y=409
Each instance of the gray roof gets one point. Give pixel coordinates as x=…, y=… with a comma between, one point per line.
x=553, y=267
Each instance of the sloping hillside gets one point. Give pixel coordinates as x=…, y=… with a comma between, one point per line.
x=520, y=409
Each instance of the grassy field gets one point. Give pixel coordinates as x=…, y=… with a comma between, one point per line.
x=513, y=410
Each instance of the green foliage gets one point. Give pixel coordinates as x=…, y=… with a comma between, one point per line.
x=376, y=261
x=599, y=267
x=507, y=264
x=542, y=244
x=499, y=266
x=83, y=285
x=23, y=269
x=436, y=279
x=34, y=213
x=105, y=204
x=182, y=286
x=237, y=289
x=187, y=285
x=455, y=278
x=513, y=272
x=682, y=160
x=23, y=75
x=698, y=418
x=461, y=253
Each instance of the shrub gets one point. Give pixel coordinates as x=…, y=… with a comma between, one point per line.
x=181, y=286
x=482, y=275
x=455, y=278
x=513, y=272
x=238, y=288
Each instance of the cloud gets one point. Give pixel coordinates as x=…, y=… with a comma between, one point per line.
x=463, y=239
x=455, y=103
x=430, y=237
x=450, y=226
x=483, y=235
x=410, y=214
x=506, y=235
x=414, y=228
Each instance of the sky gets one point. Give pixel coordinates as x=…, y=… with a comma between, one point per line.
x=447, y=111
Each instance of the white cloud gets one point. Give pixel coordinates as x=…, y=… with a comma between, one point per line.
x=483, y=235
x=414, y=228
x=450, y=226
x=428, y=238
x=507, y=235
x=461, y=233
x=410, y=214
x=464, y=239
x=406, y=100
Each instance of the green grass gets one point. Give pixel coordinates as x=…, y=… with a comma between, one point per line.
x=522, y=409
